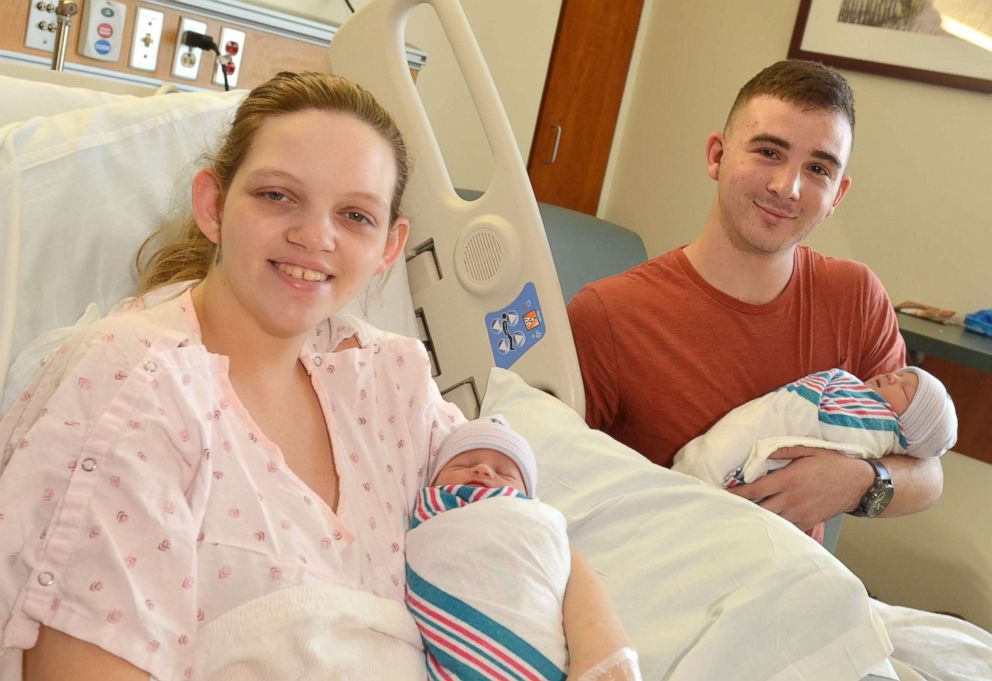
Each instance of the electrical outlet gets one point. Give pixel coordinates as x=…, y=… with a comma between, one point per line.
x=231, y=44
x=186, y=61
x=40, y=33
x=147, y=39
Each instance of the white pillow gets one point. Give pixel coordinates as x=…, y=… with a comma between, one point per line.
x=81, y=190
x=23, y=99
x=709, y=586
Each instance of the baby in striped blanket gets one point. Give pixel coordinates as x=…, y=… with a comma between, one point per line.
x=901, y=412
x=487, y=563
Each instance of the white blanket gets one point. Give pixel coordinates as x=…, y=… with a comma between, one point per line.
x=312, y=633
x=486, y=582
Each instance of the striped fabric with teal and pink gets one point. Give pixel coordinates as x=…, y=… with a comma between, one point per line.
x=843, y=400
x=463, y=643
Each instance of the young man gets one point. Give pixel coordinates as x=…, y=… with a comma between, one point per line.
x=669, y=347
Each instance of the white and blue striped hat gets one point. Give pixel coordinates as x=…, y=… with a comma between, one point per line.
x=488, y=432
x=930, y=423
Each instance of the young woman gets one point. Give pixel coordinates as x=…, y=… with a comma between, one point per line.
x=231, y=438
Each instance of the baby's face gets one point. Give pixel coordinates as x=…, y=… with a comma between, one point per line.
x=897, y=387
x=481, y=467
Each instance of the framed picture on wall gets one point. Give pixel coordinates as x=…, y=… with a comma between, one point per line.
x=943, y=42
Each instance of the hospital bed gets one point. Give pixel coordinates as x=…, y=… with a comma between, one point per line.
x=708, y=585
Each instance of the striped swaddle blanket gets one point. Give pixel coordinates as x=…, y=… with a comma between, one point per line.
x=831, y=409
x=486, y=575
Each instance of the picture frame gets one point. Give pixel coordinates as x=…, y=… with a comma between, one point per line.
x=957, y=58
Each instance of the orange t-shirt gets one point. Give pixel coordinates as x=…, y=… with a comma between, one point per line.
x=664, y=355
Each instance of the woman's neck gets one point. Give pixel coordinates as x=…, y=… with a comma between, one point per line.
x=254, y=355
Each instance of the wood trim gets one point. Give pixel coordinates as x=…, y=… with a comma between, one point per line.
x=971, y=390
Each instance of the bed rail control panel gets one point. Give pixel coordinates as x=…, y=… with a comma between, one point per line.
x=102, y=30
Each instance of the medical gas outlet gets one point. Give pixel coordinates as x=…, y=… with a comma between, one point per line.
x=147, y=39
x=102, y=29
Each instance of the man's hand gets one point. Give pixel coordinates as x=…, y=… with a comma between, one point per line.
x=817, y=485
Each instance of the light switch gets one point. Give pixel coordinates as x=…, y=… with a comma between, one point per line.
x=147, y=39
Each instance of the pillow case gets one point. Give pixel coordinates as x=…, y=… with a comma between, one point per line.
x=81, y=190
x=23, y=99
x=708, y=585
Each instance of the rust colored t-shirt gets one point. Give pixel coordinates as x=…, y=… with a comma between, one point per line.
x=664, y=355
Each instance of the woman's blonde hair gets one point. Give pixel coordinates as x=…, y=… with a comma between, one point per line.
x=182, y=252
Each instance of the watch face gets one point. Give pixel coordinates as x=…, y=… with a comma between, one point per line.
x=880, y=496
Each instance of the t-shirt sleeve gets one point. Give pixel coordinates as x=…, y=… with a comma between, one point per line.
x=883, y=346
x=97, y=530
x=596, y=350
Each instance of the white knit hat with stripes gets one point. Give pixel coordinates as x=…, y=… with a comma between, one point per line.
x=929, y=424
x=488, y=432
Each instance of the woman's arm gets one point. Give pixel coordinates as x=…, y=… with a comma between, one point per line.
x=593, y=630
x=57, y=656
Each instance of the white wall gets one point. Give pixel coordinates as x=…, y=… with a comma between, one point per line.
x=515, y=37
x=919, y=212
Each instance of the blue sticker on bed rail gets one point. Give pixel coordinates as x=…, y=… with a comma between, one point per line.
x=516, y=328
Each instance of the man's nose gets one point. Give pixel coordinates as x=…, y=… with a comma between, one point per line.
x=785, y=182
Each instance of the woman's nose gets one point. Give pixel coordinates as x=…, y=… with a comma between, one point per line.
x=313, y=232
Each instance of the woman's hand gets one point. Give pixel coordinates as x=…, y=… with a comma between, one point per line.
x=593, y=630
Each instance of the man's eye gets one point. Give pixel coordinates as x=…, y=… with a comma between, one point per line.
x=820, y=170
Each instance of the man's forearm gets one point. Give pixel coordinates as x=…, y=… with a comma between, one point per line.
x=918, y=484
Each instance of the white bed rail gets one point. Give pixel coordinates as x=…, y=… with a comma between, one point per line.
x=493, y=297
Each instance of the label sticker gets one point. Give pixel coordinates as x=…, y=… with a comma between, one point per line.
x=107, y=12
x=516, y=328
x=104, y=30
x=102, y=46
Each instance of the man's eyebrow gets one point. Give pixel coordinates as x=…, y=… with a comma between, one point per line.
x=779, y=142
x=771, y=139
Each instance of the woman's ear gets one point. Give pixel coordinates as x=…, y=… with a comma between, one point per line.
x=395, y=243
x=208, y=202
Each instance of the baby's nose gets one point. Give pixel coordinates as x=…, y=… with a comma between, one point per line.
x=484, y=469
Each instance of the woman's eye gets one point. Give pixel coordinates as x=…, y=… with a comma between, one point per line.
x=274, y=195
x=358, y=217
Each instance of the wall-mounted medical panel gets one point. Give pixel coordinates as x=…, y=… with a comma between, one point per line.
x=133, y=50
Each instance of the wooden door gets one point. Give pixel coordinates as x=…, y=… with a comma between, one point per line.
x=578, y=115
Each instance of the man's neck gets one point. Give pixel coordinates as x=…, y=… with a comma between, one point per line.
x=753, y=278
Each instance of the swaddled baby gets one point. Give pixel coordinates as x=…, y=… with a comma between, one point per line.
x=900, y=412
x=487, y=563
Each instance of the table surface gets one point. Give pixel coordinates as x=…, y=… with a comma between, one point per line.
x=946, y=341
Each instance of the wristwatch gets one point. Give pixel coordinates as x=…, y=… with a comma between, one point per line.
x=878, y=495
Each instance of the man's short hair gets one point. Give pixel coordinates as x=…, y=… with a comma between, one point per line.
x=807, y=84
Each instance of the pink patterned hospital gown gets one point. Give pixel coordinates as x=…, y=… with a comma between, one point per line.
x=139, y=501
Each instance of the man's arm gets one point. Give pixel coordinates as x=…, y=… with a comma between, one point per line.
x=819, y=484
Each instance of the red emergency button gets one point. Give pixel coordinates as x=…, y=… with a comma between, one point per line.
x=105, y=30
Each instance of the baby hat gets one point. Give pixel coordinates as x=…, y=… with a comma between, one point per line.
x=929, y=423
x=489, y=432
